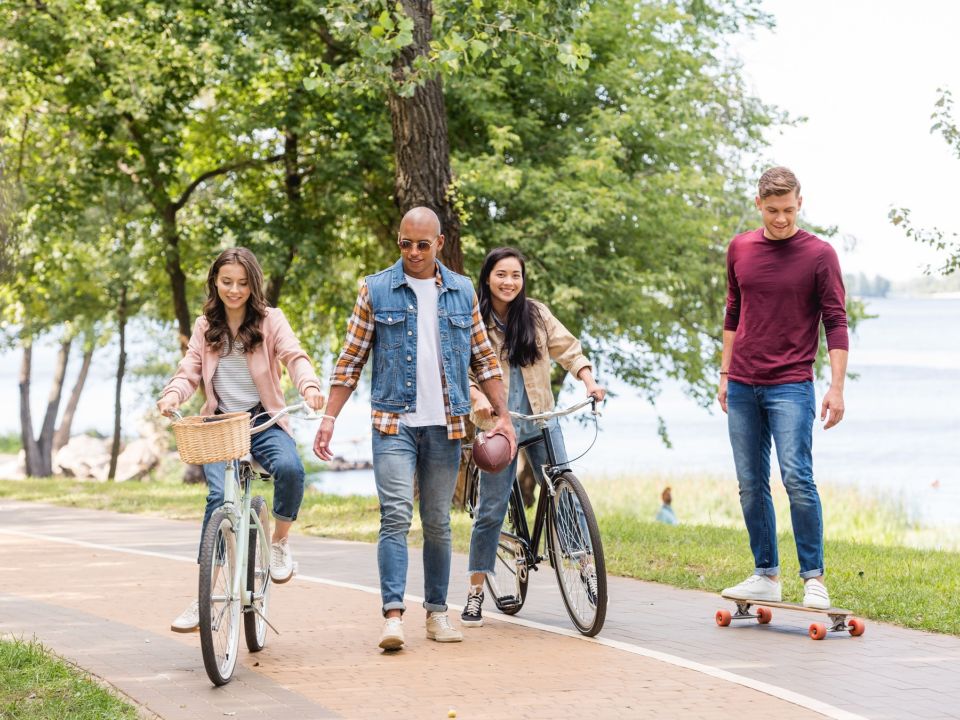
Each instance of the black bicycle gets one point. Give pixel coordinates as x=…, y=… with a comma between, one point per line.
x=565, y=517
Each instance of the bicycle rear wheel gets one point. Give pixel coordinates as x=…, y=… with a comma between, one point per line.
x=258, y=578
x=577, y=555
x=219, y=608
x=509, y=585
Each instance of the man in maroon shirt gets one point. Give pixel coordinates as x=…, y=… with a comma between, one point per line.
x=781, y=283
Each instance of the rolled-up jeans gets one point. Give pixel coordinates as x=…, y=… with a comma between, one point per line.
x=495, y=496
x=784, y=413
x=427, y=454
x=277, y=452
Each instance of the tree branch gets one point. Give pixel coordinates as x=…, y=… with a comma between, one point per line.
x=222, y=170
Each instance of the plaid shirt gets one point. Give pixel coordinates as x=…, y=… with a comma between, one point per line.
x=356, y=349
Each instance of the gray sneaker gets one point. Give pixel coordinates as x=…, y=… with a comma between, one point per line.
x=391, y=638
x=440, y=629
x=189, y=620
x=755, y=587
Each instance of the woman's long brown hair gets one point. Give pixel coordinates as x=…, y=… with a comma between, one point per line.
x=218, y=332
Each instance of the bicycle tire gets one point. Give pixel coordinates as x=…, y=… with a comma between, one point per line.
x=512, y=559
x=219, y=612
x=258, y=579
x=577, y=555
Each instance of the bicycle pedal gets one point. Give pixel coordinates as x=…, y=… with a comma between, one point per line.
x=508, y=601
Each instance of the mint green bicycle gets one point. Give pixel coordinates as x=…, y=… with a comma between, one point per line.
x=235, y=548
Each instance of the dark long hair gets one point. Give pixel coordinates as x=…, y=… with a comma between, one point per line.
x=520, y=336
x=218, y=333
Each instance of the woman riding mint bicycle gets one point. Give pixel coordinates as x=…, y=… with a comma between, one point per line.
x=526, y=337
x=236, y=352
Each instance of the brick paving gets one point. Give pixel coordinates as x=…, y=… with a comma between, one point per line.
x=109, y=611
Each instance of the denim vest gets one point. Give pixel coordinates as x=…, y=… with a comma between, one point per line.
x=394, y=307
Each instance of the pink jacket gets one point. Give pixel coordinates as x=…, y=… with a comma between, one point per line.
x=279, y=345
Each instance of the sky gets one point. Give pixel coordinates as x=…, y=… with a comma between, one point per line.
x=865, y=74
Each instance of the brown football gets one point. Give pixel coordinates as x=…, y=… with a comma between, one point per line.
x=491, y=452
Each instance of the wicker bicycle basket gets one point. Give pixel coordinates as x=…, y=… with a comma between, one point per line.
x=213, y=438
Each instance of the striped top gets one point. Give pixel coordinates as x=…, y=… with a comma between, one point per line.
x=232, y=381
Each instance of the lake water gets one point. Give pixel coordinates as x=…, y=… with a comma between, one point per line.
x=900, y=434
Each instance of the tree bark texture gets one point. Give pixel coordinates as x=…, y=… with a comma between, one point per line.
x=62, y=435
x=121, y=368
x=292, y=184
x=30, y=447
x=178, y=280
x=421, y=144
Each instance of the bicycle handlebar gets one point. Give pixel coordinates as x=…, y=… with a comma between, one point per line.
x=310, y=415
x=543, y=417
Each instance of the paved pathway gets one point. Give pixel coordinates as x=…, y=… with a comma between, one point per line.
x=100, y=588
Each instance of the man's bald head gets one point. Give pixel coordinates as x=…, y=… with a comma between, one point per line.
x=420, y=233
x=420, y=220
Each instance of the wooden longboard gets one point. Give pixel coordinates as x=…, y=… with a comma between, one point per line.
x=840, y=619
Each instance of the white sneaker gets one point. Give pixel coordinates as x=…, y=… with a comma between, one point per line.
x=391, y=638
x=281, y=562
x=755, y=587
x=188, y=620
x=440, y=629
x=815, y=595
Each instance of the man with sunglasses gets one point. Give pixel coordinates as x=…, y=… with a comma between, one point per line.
x=422, y=322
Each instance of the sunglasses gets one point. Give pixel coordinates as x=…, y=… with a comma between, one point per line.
x=422, y=245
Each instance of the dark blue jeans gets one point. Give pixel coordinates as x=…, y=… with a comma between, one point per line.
x=277, y=452
x=757, y=414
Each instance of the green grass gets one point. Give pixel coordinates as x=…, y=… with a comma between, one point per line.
x=36, y=685
x=872, y=568
x=10, y=443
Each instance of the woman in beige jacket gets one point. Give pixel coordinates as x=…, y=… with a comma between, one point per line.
x=526, y=337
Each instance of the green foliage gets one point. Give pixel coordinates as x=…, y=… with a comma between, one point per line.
x=606, y=140
x=35, y=685
x=947, y=242
x=10, y=443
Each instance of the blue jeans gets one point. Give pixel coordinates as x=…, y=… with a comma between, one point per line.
x=427, y=454
x=494, y=498
x=277, y=452
x=785, y=413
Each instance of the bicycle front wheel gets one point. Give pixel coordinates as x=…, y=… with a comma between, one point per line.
x=258, y=577
x=508, y=585
x=577, y=555
x=219, y=607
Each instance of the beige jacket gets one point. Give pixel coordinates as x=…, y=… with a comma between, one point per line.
x=556, y=343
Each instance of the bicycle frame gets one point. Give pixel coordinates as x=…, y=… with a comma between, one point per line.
x=550, y=471
x=239, y=475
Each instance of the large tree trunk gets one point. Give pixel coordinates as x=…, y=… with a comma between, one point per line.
x=178, y=280
x=30, y=447
x=62, y=436
x=121, y=368
x=292, y=185
x=421, y=145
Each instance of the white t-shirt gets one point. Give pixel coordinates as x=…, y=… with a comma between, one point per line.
x=430, y=405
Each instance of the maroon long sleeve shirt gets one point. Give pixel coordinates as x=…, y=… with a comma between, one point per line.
x=777, y=293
